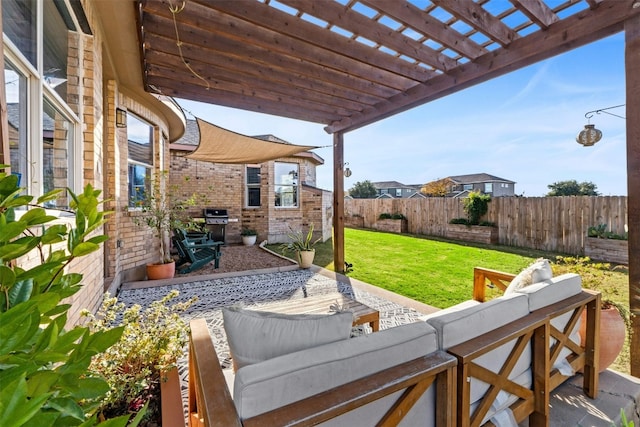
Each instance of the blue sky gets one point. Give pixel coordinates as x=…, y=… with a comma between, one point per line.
x=521, y=126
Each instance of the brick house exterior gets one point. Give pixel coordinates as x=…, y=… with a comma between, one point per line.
x=224, y=187
x=62, y=132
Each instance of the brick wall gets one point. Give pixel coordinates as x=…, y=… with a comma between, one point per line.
x=222, y=186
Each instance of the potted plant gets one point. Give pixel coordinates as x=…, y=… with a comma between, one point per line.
x=162, y=211
x=615, y=319
x=302, y=244
x=137, y=367
x=249, y=236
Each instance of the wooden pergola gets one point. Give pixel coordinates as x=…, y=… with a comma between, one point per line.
x=349, y=63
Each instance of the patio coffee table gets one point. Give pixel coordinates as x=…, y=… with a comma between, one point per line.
x=319, y=304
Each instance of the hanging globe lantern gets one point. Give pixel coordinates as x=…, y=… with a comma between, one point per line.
x=589, y=135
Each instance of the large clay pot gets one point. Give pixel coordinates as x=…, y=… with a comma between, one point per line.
x=612, y=335
x=305, y=258
x=161, y=271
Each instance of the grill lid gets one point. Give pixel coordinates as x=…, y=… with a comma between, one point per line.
x=215, y=213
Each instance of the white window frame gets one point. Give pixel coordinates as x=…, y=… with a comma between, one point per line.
x=295, y=185
x=37, y=90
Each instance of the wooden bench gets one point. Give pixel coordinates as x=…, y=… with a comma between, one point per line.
x=195, y=251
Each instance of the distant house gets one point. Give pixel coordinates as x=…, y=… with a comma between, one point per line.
x=482, y=182
x=395, y=189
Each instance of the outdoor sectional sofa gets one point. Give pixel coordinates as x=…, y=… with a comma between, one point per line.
x=473, y=363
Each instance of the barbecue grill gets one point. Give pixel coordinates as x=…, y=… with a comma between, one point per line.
x=216, y=221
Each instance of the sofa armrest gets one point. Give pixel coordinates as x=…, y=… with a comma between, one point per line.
x=210, y=403
x=534, y=329
x=482, y=275
x=415, y=376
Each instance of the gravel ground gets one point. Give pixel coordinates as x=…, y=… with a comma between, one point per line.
x=241, y=258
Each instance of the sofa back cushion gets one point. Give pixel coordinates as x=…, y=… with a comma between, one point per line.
x=282, y=380
x=255, y=336
x=551, y=291
x=455, y=326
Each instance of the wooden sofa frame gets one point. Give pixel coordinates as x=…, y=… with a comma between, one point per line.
x=211, y=404
x=581, y=359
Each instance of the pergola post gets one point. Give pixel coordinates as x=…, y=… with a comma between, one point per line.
x=632, y=67
x=338, y=202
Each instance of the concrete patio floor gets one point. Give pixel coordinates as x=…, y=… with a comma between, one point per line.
x=568, y=405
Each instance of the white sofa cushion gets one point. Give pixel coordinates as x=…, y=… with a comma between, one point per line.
x=551, y=291
x=538, y=271
x=282, y=380
x=455, y=326
x=254, y=336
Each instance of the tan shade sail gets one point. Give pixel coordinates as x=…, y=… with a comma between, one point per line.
x=220, y=145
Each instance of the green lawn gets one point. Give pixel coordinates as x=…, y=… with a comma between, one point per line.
x=440, y=273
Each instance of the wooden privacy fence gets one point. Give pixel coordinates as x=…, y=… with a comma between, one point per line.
x=554, y=224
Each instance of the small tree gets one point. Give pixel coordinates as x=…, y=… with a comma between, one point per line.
x=572, y=188
x=363, y=190
x=437, y=188
x=164, y=209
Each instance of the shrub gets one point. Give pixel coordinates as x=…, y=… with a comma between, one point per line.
x=152, y=342
x=384, y=215
x=475, y=206
x=43, y=366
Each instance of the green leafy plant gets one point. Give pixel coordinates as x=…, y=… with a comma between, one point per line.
x=152, y=341
x=44, y=367
x=384, y=215
x=476, y=206
x=248, y=232
x=300, y=241
x=600, y=231
x=163, y=209
x=595, y=276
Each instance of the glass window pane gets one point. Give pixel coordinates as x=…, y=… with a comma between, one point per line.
x=56, y=46
x=253, y=175
x=139, y=181
x=286, y=184
x=19, y=24
x=488, y=187
x=253, y=196
x=57, y=143
x=15, y=85
x=140, y=137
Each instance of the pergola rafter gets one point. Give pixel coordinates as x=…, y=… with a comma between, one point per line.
x=349, y=63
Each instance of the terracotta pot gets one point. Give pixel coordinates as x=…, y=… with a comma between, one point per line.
x=161, y=271
x=612, y=335
x=305, y=258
